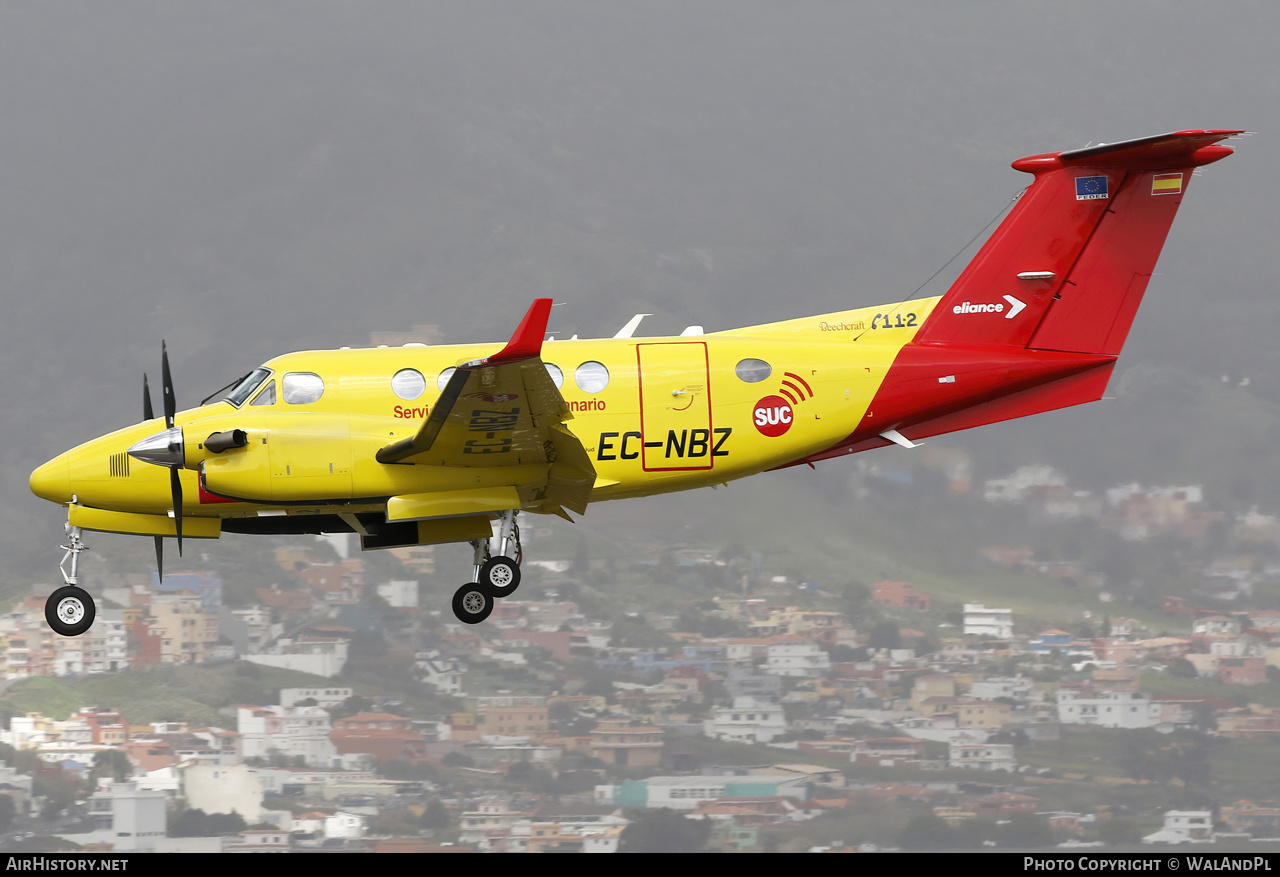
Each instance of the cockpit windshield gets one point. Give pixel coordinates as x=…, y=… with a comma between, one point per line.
x=237, y=391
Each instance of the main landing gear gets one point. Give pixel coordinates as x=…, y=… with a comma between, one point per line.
x=70, y=610
x=496, y=576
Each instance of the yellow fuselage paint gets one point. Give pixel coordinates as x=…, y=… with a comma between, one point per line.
x=674, y=415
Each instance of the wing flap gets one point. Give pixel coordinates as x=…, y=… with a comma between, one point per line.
x=572, y=476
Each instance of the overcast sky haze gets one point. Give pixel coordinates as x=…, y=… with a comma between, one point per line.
x=243, y=179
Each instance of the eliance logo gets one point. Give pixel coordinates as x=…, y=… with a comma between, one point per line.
x=968, y=307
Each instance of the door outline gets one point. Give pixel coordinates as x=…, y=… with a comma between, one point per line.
x=662, y=464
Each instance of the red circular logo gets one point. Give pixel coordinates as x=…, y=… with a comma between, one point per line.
x=772, y=415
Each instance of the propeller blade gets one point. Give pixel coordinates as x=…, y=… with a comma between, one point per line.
x=147, y=412
x=175, y=484
x=159, y=557
x=170, y=405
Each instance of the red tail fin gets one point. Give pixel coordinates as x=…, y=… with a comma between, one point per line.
x=1067, y=268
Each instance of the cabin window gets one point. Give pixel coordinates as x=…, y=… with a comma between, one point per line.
x=408, y=384
x=592, y=377
x=753, y=370
x=444, y=377
x=302, y=388
x=557, y=376
x=267, y=396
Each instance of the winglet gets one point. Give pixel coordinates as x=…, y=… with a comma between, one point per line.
x=526, y=343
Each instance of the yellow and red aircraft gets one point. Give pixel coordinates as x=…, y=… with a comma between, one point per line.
x=420, y=444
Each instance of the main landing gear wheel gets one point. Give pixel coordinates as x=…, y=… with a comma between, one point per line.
x=496, y=576
x=472, y=603
x=69, y=611
x=501, y=575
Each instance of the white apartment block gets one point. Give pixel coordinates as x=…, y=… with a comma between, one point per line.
x=133, y=820
x=993, y=687
x=745, y=650
x=1107, y=709
x=344, y=824
x=1184, y=826
x=749, y=720
x=29, y=731
x=980, y=620
x=284, y=780
x=326, y=697
x=217, y=788
x=981, y=756
x=289, y=730
x=801, y=658
x=108, y=643
x=319, y=656
x=491, y=817
x=400, y=593
x=686, y=792
x=69, y=656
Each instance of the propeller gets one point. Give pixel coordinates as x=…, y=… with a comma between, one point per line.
x=170, y=408
x=164, y=449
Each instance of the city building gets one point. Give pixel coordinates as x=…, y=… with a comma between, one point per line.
x=899, y=595
x=981, y=756
x=386, y=736
x=749, y=720
x=983, y=621
x=289, y=732
x=1107, y=709
x=125, y=817
x=622, y=743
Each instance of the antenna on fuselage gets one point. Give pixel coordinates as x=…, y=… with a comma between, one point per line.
x=628, y=330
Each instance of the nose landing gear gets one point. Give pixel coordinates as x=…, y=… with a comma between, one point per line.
x=70, y=610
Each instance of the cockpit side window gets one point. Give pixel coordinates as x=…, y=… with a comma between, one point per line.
x=302, y=388
x=243, y=390
x=267, y=396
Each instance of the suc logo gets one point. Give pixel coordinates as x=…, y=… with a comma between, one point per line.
x=773, y=416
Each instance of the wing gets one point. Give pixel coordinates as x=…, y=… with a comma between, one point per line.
x=505, y=411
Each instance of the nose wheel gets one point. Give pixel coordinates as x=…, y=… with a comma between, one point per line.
x=70, y=610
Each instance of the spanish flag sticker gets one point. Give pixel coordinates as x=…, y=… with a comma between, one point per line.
x=1166, y=184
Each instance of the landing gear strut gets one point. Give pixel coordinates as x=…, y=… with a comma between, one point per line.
x=496, y=576
x=70, y=610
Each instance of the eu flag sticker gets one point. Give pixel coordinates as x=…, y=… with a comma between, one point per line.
x=1091, y=188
